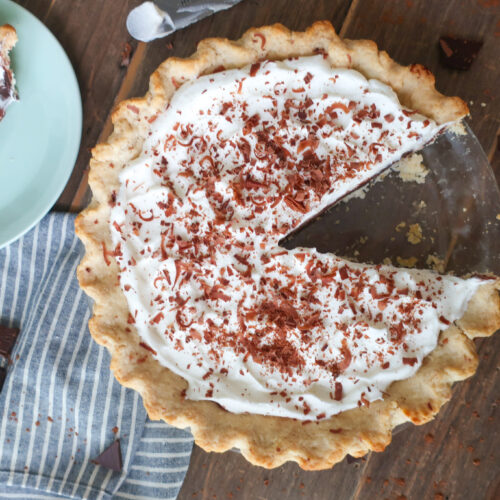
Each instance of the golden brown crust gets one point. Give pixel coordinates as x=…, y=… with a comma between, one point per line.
x=264, y=440
x=8, y=38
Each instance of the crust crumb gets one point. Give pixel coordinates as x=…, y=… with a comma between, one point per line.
x=457, y=128
x=435, y=263
x=359, y=193
x=420, y=205
x=414, y=235
x=400, y=226
x=409, y=262
x=412, y=169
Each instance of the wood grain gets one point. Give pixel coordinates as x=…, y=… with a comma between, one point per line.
x=456, y=455
x=229, y=475
x=409, y=31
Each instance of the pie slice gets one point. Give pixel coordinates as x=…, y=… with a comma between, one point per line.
x=218, y=327
x=8, y=94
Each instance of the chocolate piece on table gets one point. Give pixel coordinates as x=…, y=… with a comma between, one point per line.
x=111, y=457
x=3, y=374
x=8, y=337
x=458, y=53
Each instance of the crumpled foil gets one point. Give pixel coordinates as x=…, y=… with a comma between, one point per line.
x=152, y=20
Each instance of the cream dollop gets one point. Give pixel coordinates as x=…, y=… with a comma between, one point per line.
x=237, y=161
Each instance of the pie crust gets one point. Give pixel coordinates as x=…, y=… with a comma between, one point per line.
x=266, y=440
x=8, y=38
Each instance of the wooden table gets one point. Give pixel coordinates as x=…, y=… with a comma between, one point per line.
x=457, y=455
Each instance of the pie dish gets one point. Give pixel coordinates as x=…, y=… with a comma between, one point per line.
x=8, y=94
x=285, y=355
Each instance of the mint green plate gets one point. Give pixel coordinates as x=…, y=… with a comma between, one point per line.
x=40, y=134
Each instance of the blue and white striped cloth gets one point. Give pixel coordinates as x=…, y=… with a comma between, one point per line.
x=60, y=405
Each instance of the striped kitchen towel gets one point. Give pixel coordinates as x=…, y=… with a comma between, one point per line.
x=60, y=406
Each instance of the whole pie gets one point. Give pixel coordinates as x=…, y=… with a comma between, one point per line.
x=8, y=94
x=284, y=354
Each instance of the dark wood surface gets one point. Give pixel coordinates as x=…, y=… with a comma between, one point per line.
x=457, y=455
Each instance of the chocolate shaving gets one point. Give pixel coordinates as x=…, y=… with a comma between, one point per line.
x=8, y=338
x=458, y=53
x=111, y=457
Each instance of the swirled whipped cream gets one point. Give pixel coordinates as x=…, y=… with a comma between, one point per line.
x=237, y=161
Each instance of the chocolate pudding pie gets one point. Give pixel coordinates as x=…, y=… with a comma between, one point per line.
x=219, y=327
x=8, y=94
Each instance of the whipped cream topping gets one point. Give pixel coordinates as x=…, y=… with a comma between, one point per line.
x=237, y=161
x=7, y=86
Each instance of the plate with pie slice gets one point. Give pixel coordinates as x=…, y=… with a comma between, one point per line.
x=40, y=132
x=275, y=346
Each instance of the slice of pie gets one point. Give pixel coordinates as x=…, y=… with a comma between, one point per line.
x=8, y=94
x=284, y=354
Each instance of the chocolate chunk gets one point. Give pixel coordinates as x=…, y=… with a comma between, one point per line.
x=8, y=338
x=111, y=457
x=3, y=374
x=458, y=53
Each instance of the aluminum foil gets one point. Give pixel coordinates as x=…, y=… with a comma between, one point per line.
x=152, y=20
